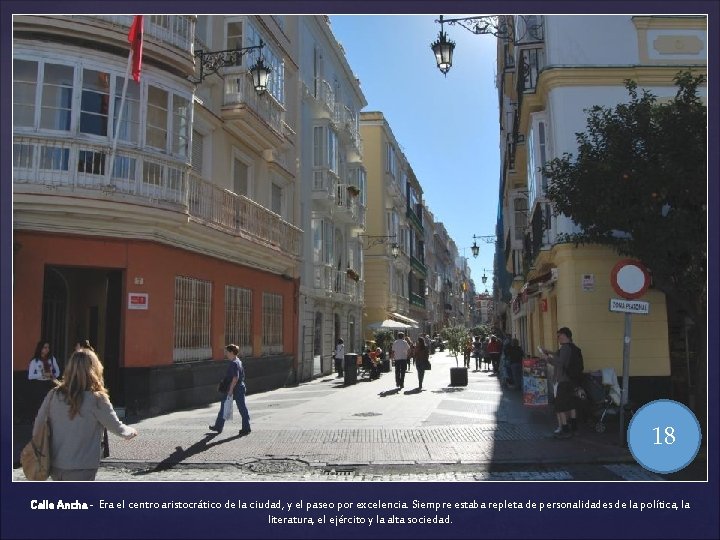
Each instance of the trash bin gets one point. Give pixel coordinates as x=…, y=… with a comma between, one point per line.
x=350, y=370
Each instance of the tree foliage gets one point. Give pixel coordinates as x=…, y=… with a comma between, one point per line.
x=455, y=336
x=639, y=184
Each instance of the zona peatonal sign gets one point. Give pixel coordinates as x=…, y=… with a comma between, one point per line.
x=629, y=306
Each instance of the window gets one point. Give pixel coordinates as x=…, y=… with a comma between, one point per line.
x=520, y=207
x=95, y=102
x=91, y=162
x=25, y=75
x=332, y=151
x=57, y=94
x=276, y=82
x=23, y=155
x=238, y=318
x=390, y=159
x=193, y=298
x=234, y=38
x=129, y=128
x=276, y=199
x=54, y=158
x=318, y=146
x=201, y=31
x=157, y=116
x=197, y=152
x=181, y=126
x=537, y=158
x=272, y=331
x=241, y=173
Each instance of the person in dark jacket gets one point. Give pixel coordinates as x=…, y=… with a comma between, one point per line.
x=422, y=360
x=514, y=355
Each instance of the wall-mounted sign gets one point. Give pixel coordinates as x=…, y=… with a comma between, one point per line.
x=588, y=282
x=138, y=300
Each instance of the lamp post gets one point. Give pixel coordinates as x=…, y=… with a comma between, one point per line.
x=476, y=249
x=501, y=26
x=212, y=61
x=371, y=241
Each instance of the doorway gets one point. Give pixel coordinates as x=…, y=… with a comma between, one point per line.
x=85, y=303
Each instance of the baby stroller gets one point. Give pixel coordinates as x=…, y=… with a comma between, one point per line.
x=599, y=397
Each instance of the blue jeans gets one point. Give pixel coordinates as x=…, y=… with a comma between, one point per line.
x=239, y=397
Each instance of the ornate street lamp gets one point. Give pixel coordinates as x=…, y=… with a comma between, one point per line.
x=371, y=241
x=443, y=50
x=211, y=62
x=476, y=249
x=500, y=26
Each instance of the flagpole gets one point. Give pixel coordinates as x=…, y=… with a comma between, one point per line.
x=119, y=117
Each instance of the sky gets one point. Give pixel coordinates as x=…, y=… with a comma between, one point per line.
x=447, y=127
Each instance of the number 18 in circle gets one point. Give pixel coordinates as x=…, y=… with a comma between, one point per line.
x=664, y=436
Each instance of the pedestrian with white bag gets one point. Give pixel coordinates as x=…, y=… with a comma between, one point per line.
x=232, y=388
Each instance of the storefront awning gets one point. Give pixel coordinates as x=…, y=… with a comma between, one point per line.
x=406, y=320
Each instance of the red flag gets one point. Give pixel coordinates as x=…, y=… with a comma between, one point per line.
x=135, y=37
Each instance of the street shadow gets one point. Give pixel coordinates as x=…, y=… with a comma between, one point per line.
x=448, y=390
x=180, y=455
x=413, y=391
x=389, y=392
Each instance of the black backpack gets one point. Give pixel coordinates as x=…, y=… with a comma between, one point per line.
x=575, y=365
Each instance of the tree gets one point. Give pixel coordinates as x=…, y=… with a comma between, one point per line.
x=456, y=336
x=639, y=185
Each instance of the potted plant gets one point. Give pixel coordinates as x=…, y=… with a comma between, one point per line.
x=353, y=190
x=456, y=336
x=352, y=274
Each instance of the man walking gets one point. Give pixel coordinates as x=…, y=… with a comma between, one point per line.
x=399, y=355
x=236, y=374
x=563, y=387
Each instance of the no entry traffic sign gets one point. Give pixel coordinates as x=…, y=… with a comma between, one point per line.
x=630, y=279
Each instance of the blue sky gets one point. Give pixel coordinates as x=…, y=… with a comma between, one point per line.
x=447, y=126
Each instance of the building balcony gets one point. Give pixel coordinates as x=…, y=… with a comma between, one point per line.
x=321, y=96
x=398, y=304
x=259, y=116
x=418, y=266
x=217, y=207
x=392, y=185
x=417, y=300
x=348, y=127
x=168, y=39
x=338, y=284
x=75, y=169
x=347, y=206
x=324, y=188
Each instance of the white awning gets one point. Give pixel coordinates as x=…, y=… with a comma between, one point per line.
x=405, y=319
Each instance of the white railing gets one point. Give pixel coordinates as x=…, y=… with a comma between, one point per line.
x=338, y=283
x=324, y=93
x=323, y=277
x=175, y=30
x=346, y=202
x=324, y=183
x=83, y=167
x=240, y=90
x=214, y=205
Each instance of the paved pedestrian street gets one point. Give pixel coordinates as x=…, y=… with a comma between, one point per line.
x=325, y=430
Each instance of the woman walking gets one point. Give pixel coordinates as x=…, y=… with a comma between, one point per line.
x=78, y=411
x=422, y=360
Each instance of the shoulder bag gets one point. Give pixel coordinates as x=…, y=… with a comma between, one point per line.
x=35, y=456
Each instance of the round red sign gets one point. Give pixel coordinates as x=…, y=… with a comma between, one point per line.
x=630, y=279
